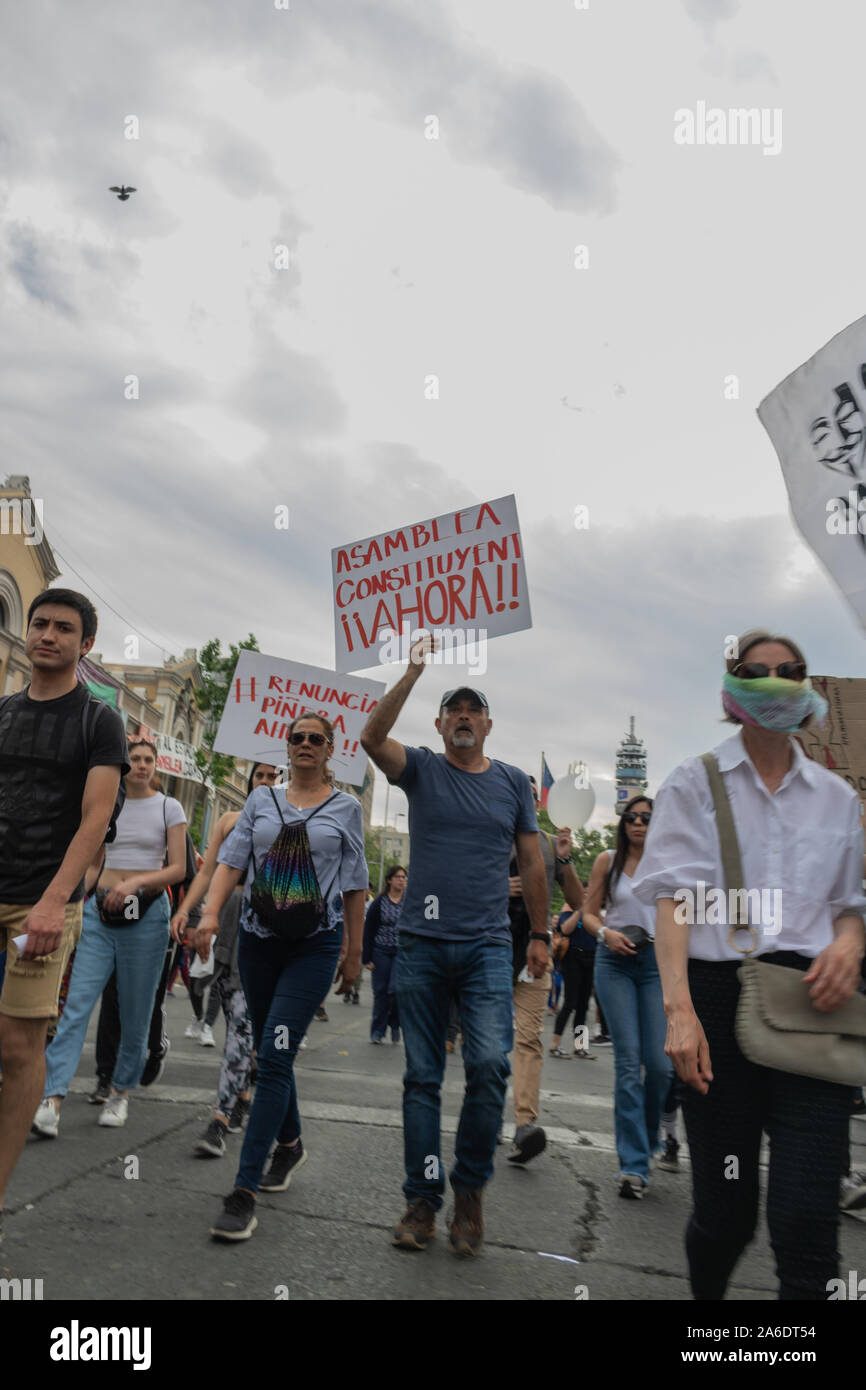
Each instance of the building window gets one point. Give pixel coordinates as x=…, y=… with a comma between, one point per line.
x=11, y=607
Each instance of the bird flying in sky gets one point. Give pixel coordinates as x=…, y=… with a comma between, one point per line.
x=122, y=192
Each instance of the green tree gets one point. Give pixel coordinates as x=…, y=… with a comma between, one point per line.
x=372, y=851
x=587, y=845
x=210, y=698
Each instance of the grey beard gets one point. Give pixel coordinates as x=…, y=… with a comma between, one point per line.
x=463, y=739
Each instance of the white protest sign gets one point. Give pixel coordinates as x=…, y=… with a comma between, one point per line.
x=177, y=758
x=460, y=576
x=266, y=693
x=816, y=419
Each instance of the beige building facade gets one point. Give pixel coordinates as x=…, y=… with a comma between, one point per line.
x=157, y=701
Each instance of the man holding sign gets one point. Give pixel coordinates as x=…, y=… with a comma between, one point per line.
x=465, y=812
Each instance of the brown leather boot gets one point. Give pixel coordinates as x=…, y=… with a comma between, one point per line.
x=467, y=1227
x=416, y=1227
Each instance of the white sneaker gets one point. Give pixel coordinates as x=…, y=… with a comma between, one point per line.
x=193, y=1030
x=206, y=1037
x=46, y=1121
x=303, y=1043
x=114, y=1111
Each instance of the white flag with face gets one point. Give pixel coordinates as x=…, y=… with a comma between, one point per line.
x=816, y=419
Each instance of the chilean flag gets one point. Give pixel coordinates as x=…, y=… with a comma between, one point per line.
x=546, y=780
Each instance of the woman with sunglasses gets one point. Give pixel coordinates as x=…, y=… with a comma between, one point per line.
x=379, y=953
x=629, y=991
x=148, y=853
x=284, y=980
x=798, y=832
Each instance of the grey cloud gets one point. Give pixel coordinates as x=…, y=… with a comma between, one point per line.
x=30, y=263
x=709, y=13
x=240, y=165
x=526, y=124
x=742, y=65
x=289, y=395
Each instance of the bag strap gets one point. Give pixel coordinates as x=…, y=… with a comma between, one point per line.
x=320, y=807
x=277, y=804
x=731, y=860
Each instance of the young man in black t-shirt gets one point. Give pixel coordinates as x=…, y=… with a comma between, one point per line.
x=60, y=770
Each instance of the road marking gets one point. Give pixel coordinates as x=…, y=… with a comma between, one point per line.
x=350, y=1114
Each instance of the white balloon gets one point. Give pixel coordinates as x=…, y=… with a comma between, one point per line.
x=570, y=805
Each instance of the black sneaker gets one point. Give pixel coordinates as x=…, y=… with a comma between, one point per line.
x=237, y=1119
x=213, y=1142
x=321, y=1016
x=670, y=1159
x=283, y=1164
x=154, y=1066
x=101, y=1094
x=238, y=1218
x=631, y=1186
x=529, y=1140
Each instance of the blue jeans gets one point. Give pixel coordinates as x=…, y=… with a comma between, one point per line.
x=630, y=993
x=137, y=954
x=385, y=1012
x=477, y=974
x=284, y=983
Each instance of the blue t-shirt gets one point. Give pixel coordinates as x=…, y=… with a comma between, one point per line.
x=461, y=829
x=580, y=937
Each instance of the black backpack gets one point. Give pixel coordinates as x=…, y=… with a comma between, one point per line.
x=89, y=715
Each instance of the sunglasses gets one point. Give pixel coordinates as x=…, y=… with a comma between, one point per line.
x=756, y=670
x=316, y=740
x=631, y=816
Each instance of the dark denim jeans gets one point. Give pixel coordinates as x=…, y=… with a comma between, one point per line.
x=477, y=974
x=385, y=1012
x=284, y=984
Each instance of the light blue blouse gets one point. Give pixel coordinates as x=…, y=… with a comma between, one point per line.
x=336, y=835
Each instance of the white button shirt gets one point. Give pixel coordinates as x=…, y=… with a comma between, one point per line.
x=804, y=844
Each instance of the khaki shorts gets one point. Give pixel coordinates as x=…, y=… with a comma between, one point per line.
x=31, y=988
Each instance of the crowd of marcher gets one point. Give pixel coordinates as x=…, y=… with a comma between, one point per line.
x=103, y=899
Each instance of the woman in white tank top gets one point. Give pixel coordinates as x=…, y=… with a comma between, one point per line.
x=148, y=853
x=629, y=991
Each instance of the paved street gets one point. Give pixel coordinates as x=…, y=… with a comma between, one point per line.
x=75, y=1221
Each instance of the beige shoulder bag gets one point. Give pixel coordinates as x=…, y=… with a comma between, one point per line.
x=776, y=1024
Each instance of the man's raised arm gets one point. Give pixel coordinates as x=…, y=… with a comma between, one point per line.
x=387, y=753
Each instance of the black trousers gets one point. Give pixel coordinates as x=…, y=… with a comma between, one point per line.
x=807, y=1123
x=577, y=970
x=108, y=1027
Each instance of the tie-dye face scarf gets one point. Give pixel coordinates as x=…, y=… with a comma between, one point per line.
x=285, y=893
x=772, y=703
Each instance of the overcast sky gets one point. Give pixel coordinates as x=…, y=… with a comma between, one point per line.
x=603, y=386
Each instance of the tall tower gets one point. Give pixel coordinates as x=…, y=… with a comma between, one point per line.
x=631, y=777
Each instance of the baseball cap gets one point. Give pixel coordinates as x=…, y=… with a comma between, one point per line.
x=464, y=690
